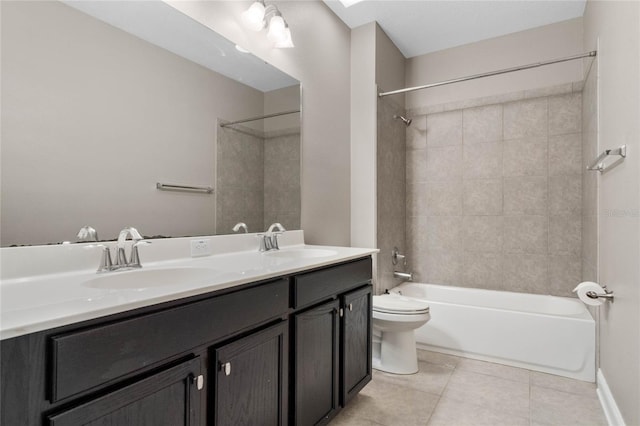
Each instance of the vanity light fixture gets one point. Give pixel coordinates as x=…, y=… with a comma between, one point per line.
x=260, y=16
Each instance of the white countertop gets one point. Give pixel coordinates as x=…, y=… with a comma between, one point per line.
x=39, y=302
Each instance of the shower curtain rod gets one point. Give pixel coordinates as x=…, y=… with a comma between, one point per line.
x=277, y=114
x=489, y=74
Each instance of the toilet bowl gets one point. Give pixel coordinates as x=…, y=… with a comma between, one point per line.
x=394, y=345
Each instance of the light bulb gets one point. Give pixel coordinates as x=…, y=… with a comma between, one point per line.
x=276, y=33
x=253, y=18
x=287, y=42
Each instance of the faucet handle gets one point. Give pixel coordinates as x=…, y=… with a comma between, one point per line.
x=135, y=257
x=262, y=240
x=395, y=256
x=105, y=260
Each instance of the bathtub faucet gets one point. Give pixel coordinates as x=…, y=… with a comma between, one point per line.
x=406, y=276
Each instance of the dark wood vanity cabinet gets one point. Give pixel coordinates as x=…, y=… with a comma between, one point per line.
x=332, y=355
x=290, y=350
x=168, y=398
x=355, y=354
x=316, y=355
x=250, y=381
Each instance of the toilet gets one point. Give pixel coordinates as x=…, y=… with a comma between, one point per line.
x=394, y=345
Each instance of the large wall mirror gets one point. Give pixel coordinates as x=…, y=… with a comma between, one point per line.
x=103, y=100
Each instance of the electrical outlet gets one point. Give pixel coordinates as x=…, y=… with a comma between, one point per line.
x=200, y=248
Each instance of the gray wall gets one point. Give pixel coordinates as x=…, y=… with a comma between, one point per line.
x=613, y=28
x=377, y=147
x=524, y=47
x=494, y=196
x=391, y=205
x=590, y=178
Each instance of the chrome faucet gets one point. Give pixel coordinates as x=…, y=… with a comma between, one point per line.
x=240, y=225
x=395, y=257
x=269, y=240
x=405, y=276
x=121, y=262
x=121, y=257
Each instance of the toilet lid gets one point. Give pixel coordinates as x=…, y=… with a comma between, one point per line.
x=394, y=304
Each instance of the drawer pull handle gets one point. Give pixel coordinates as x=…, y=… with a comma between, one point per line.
x=199, y=382
x=227, y=368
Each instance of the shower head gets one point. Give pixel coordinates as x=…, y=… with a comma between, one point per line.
x=406, y=121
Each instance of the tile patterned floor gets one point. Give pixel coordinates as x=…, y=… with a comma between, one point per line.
x=456, y=391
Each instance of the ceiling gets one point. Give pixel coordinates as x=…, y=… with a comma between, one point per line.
x=418, y=27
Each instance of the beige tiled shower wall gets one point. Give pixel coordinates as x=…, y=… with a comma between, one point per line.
x=239, y=180
x=282, y=179
x=391, y=212
x=494, y=196
x=258, y=179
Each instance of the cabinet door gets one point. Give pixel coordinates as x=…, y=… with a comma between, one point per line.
x=356, y=343
x=316, y=364
x=168, y=398
x=251, y=379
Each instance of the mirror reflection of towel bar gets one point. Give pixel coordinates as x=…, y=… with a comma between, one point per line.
x=184, y=188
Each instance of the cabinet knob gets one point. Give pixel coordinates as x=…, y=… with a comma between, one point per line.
x=351, y=306
x=199, y=382
x=226, y=367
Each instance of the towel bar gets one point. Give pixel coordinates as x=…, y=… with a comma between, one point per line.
x=598, y=163
x=171, y=187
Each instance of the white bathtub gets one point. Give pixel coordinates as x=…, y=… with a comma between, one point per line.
x=545, y=333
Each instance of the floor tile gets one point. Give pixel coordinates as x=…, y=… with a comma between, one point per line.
x=450, y=412
x=430, y=378
x=557, y=408
x=492, y=392
x=392, y=405
x=493, y=369
x=562, y=383
x=450, y=361
x=346, y=419
x=473, y=393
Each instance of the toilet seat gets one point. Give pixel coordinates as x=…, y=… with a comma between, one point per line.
x=398, y=305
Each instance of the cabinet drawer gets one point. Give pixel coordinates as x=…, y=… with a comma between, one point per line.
x=90, y=358
x=315, y=286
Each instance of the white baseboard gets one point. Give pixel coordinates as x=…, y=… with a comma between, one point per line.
x=611, y=411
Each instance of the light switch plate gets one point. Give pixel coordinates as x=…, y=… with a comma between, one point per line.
x=200, y=248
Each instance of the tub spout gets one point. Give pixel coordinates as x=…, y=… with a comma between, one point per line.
x=405, y=276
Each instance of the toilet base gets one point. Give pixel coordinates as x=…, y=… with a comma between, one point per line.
x=396, y=353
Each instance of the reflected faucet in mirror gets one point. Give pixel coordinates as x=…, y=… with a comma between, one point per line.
x=87, y=234
x=240, y=225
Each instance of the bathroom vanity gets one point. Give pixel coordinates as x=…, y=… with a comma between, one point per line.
x=290, y=347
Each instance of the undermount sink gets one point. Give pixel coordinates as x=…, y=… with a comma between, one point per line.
x=301, y=253
x=148, y=278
